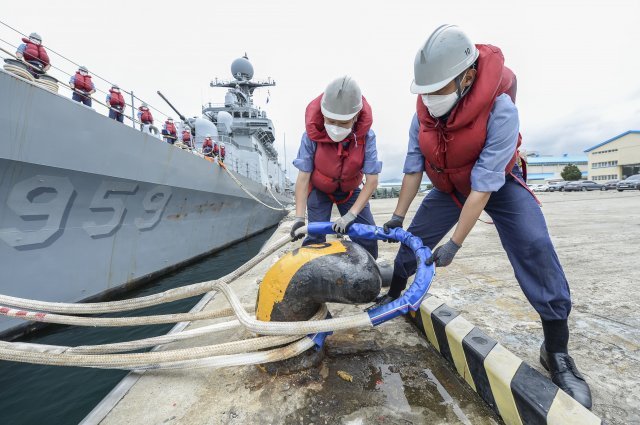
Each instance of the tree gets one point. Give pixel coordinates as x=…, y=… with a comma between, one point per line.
x=571, y=172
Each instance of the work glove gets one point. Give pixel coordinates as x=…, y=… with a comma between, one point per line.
x=443, y=255
x=342, y=224
x=297, y=223
x=396, y=221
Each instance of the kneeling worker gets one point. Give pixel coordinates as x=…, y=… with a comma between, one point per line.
x=465, y=136
x=32, y=52
x=336, y=151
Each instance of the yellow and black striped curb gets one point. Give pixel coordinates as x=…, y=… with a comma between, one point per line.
x=514, y=390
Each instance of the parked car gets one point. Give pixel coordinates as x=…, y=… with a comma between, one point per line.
x=541, y=188
x=611, y=184
x=583, y=185
x=631, y=183
x=557, y=186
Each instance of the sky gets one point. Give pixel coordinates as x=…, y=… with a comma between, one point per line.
x=576, y=61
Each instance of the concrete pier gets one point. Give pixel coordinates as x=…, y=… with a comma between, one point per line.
x=396, y=377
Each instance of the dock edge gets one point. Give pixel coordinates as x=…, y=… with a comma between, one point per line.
x=518, y=393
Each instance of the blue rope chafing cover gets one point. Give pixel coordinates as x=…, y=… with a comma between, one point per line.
x=412, y=297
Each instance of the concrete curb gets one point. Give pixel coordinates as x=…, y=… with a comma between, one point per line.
x=514, y=390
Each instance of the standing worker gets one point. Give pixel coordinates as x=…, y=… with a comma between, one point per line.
x=116, y=103
x=169, y=131
x=223, y=152
x=216, y=149
x=32, y=52
x=336, y=151
x=82, y=86
x=465, y=136
x=186, y=136
x=145, y=117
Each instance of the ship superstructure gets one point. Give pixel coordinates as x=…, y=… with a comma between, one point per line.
x=96, y=206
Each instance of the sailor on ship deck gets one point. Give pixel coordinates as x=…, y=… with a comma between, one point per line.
x=82, y=86
x=33, y=52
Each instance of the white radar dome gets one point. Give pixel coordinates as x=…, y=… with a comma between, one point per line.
x=241, y=69
x=225, y=120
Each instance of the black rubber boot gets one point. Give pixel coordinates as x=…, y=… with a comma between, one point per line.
x=565, y=374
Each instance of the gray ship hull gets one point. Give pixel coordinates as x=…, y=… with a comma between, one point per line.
x=88, y=205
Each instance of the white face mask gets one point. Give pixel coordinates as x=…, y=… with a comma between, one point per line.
x=337, y=133
x=439, y=104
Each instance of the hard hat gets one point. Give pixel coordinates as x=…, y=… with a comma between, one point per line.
x=169, y=119
x=446, y=54
x=115, y=86
x=208, y=135
x=342, y=99
x=83, y=69
x=35, y=36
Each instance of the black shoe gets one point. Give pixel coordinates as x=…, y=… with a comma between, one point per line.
x=565, y=374
x=381, y=300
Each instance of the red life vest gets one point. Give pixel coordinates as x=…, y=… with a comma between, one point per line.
x=145, y=115
x=35, y=52
x=337, y=166
x=216, y=150
x=207, y=142
x=171, y=128
x=83, y=82
x=222, y=151
x=186, y=136
x=116, y=99
x=451, y=149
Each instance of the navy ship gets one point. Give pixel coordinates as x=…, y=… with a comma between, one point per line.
x=90, y=207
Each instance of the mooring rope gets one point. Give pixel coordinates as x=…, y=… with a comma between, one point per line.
x=225, y=354
x=146, y=301
x=239, y=183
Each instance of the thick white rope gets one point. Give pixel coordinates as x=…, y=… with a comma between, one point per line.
x=292, y=328
x=152, y=357
x=60, y=319
x=242, y=359
x=239, y=183
x=274, y=197
x=257, y=326
x=69, y=356
x=19, y=71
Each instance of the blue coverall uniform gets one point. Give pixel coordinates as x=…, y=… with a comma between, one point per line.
x=513, y=208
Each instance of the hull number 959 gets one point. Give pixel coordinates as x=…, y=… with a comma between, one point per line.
x=48, y=200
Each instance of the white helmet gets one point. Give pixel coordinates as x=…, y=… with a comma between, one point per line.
x=222, y=145
x=83, y=69
x=169, y=119
x=446, y=54
x=342, y=99
x=208, y=136
x=35, y=36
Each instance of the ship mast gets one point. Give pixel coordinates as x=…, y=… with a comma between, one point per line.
x=242, y=87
